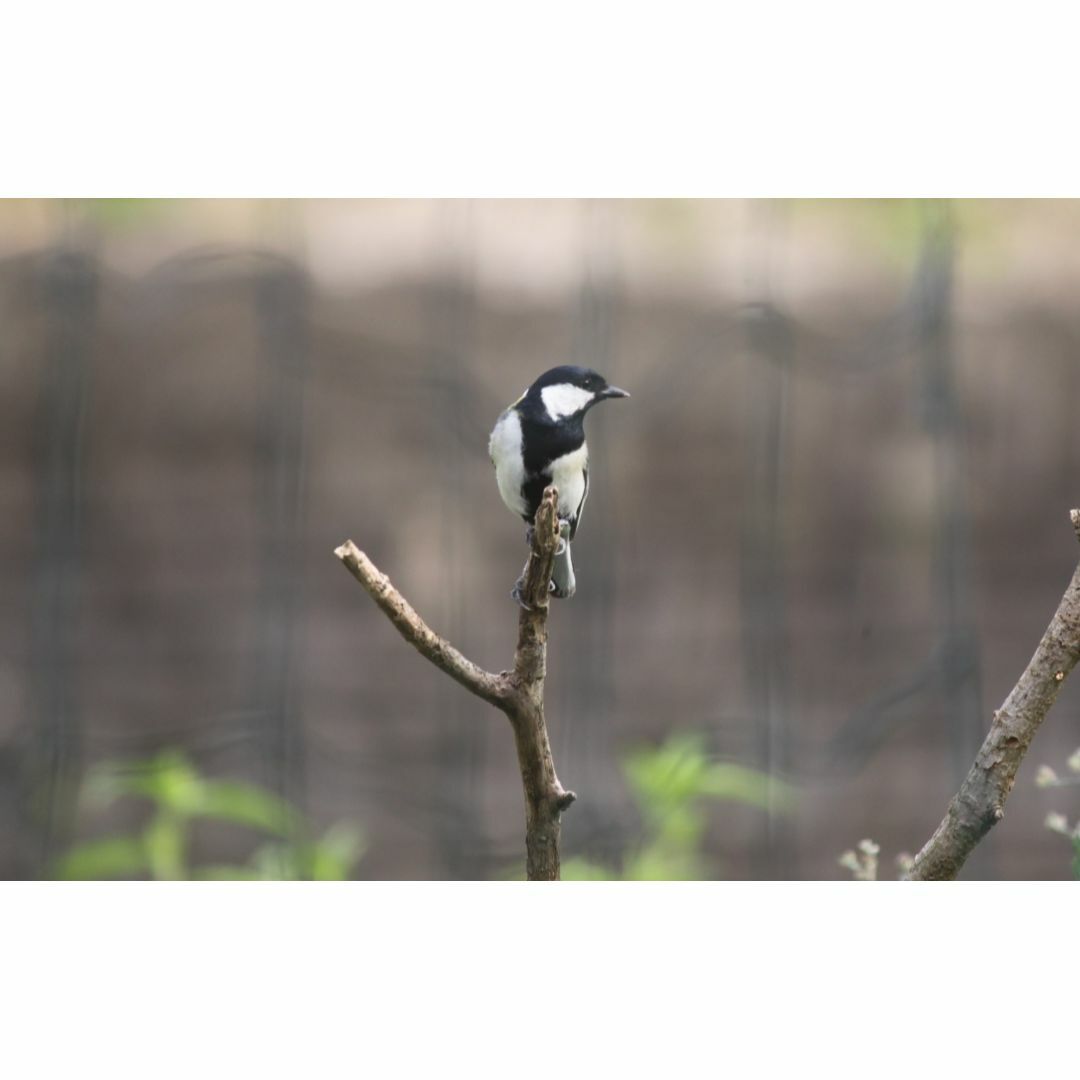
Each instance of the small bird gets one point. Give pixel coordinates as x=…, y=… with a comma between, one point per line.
x=540, y=440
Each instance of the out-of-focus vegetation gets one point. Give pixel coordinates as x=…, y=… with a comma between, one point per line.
x=1056, y=821
x=862, y=861
x=180, y=798
x=673, y=785
x=188, y=386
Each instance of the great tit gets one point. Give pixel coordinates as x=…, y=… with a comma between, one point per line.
x=540, y=440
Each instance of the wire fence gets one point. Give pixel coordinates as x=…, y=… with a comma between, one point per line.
x=267, y=416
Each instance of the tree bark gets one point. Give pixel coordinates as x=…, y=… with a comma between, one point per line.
x=980, y=803
x=518, y=693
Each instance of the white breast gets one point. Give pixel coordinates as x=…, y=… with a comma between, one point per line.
x=504, y=447
x=568, y=475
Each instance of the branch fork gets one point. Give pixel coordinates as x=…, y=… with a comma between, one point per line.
x=518, y=693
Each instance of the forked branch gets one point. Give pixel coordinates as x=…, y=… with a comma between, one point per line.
x=518, y=693
x=980, y=803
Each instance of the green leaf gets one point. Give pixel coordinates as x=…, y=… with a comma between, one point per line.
x=173, y=785
x=679, y=771
x=276, y=862
x=107, y=857
x=171, y=781
x=164, y=840
x=659, y=862
x=226, y=873
x=671, y=784
x=736, y=783
x=679, y=827
x=168, y=779
x=334, y=856
x=671, y=773
x=127, y=214
x=581, y=869
x=246, y=804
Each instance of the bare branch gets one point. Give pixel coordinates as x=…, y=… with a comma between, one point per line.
x=545, y=797
x=518, y=693
x=492, y=688
x=980, y=802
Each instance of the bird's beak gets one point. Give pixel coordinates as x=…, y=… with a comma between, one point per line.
x=613, y=392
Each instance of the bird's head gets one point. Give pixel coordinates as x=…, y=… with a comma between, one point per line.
x=571, y=391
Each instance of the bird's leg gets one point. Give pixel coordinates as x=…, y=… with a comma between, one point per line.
x=566, y=585
x=530, y=532
x=563, y=584
x=564, y=533
x=517, y=593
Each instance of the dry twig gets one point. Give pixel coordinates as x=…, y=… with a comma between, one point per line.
x=980, y=803
x=518, y=693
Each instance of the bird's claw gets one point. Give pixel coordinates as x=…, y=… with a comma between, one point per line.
x=518, y=598
x=517, y=592
x=564, y=533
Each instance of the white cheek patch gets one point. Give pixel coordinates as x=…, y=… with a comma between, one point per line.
x=565, y=399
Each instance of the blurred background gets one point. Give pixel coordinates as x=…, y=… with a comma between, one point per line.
x=822, y=540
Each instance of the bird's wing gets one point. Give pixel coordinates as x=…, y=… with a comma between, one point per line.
x=581, y=505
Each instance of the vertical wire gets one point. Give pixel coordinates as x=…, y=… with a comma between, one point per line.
x=70, y=285
x=588, y=688
x=762, y=569
x=282, y=318
x=461, y=742
x=943, y=420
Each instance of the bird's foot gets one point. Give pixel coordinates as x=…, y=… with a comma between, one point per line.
x=530, y=532
x=518, y=597
x=564, y=534
x=560, y=594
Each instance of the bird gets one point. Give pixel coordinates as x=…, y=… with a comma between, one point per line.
x=540, y=440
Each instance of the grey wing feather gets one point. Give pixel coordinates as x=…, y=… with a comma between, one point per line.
x=580, y=506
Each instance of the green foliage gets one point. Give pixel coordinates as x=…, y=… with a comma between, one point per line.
x=127, y=214
x=179, y=797
x=672, y=785
x=108, y=857
x=1073, y=836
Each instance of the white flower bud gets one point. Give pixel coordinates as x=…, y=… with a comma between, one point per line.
x=1045, y=777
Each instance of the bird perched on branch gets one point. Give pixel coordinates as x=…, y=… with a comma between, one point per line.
x=540, y=440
